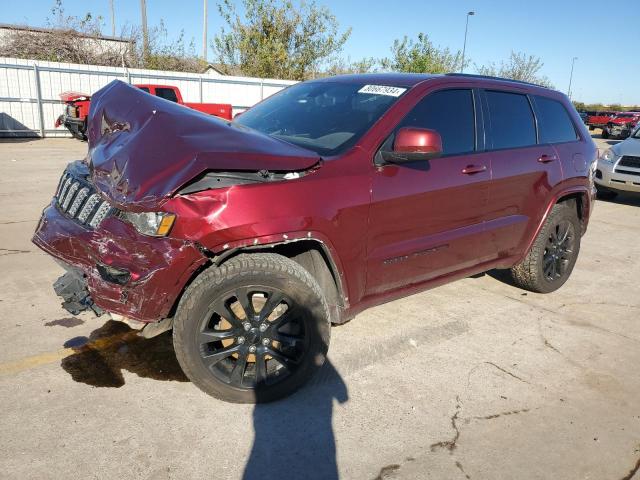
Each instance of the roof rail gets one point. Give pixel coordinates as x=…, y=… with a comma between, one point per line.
x=489, y=77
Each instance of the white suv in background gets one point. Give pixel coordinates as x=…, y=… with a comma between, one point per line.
x=619, y=168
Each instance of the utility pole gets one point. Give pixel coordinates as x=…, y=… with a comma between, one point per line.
x=464, y=46
x=145, y=32
x=204, y=33
x=113, y=19
x=573, y=61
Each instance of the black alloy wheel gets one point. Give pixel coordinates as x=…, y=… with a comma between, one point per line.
x=559, y=250
x=252, y=336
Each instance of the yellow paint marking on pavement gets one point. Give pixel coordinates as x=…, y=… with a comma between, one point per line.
x=27, y=363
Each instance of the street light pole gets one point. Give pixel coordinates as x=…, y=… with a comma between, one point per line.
x=573, y=61
x=145, y=32
x=464, y=46
x=204, y=33
x=113, y=19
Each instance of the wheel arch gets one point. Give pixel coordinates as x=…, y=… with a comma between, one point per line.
x=579, y=195
x=315, y=256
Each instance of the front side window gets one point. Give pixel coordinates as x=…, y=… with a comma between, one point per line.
x=451, y=114
x=167, y=94
x=554, y=123
x=324, y=117
x=512, y=123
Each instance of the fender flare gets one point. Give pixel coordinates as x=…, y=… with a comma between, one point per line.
x=223, y=252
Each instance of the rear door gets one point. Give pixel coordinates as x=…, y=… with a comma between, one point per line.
x=524, y=170
x=426, y=217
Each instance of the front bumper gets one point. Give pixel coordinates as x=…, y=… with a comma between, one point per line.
x=157, y=268
x=613, y=177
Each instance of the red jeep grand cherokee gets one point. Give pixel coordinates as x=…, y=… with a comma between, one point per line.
x=249, y=238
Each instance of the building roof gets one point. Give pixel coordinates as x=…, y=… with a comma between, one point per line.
x=27, y=28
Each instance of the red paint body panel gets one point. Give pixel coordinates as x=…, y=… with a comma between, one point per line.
x=390, y=230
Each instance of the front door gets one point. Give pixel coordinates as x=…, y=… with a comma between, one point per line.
x=426, y=217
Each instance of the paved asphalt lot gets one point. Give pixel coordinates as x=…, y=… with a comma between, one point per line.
x=476, y=379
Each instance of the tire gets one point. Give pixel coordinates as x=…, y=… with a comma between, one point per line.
x=605, y=133
x=605, y=194
x=551, y=259
x=213, y=335
x=591, y=127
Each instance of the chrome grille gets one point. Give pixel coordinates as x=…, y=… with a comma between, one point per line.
x=79, y=200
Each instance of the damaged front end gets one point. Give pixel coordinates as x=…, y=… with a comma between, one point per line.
x=116, y=221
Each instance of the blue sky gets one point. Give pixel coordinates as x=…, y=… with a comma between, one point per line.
x=556, y=31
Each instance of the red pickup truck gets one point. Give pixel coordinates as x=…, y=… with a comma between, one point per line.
x=77, y=105
x=599, y=119
x=621, y=125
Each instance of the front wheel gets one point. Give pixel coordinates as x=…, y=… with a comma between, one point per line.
x=553, y=254
x=253, y=330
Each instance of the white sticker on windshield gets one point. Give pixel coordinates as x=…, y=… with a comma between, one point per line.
x=382, y=90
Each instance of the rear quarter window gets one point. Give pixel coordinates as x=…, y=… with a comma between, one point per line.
x=554, y=122
x=512, y=123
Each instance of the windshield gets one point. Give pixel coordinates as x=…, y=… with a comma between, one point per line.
x=636, y=134
x=325, y=117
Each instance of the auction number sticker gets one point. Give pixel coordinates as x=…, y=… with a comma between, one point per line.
x=382, y=90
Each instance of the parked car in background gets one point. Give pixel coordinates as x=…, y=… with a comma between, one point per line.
x=77, y=107
x=619, y=168
x=599, y=119
x=584, y=116
x=251, y=238
x=621, y=125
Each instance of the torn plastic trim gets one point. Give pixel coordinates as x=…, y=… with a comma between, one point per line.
x=212, y=180
x=72, y=288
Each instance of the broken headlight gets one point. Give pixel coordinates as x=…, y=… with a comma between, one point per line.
x=156, y=224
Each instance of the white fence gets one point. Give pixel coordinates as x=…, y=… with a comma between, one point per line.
x=30, y=102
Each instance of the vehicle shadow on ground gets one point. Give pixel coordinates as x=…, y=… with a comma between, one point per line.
x=623, y=199
x=100, y=359
x=294, y=437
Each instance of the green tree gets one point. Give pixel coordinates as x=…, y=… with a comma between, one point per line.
x=277, y=39
x=421, y=56
x=519, y=66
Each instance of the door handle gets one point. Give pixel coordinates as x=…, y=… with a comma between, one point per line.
x=471, y=169
x=547, y=158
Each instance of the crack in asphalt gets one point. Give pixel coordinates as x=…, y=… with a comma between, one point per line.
x=10, y=251
x=459, y=465
x=384, y=471
x=452, y=444
x=502, y=414
x=635, y=468
x=507, y=372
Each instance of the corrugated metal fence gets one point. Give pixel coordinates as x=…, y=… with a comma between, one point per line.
x=30, y=102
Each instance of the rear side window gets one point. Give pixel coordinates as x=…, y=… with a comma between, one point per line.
x=144, y=89
x=512, y=123
x=167, y=94
x=451, y=114
x=554, y=122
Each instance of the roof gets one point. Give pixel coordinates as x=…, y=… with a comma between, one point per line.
x=412, y=79
x=26, y=28
x=391, y=79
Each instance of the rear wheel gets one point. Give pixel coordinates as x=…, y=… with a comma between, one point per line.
x=253, y=330
x=553, y=254
x=605, y=133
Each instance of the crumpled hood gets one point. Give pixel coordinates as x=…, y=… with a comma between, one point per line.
x=631, y=147
x=143, y=148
